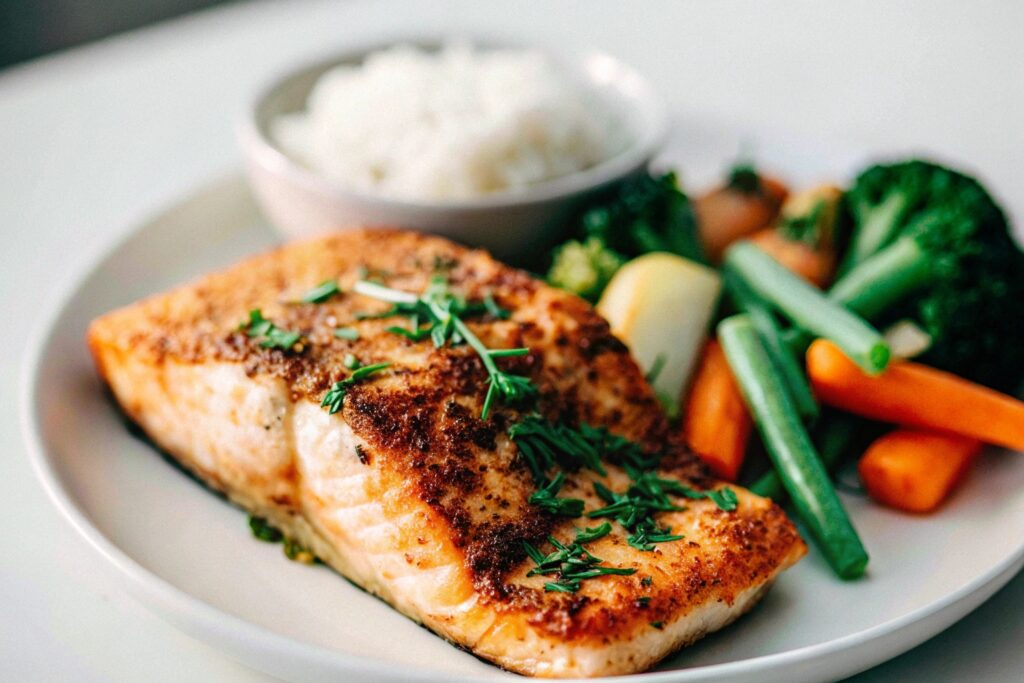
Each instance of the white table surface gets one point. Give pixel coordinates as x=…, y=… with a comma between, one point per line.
x=96, y=138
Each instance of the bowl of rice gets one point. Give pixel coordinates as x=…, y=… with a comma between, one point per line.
x=493, y=147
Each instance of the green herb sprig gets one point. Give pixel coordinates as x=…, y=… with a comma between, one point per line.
x=273, y=337
x=335, y=396
x=437, y=313
x=572, y=564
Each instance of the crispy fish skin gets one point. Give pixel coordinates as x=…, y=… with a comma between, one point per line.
x=406, y=491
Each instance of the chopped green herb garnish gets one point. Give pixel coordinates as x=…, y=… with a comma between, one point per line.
x=298, y=553
x=572, y=564
x=438, y=313
x=273, y=337
x=724, y=498
x=322, y=292
x=263, y=531
x=647, y=581
x=335, y=396
x=658, y=624
x=643, y=601
x=349, y=333
x=351, y=362
x=656, y=368
x=647, y=495
x=547, y=499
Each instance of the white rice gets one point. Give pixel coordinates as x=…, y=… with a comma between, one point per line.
x=459, y=123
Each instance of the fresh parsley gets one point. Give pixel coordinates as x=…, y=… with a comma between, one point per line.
x=571, y=564
x=348, y=333
x=437, y=313
x=272, y=336
x=322, y=292
x=335, y=396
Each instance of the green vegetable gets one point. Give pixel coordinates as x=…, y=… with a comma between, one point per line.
x=584, y=268
x=273, y=337
x=572, y=564
x=441, y=313
x=771, y=334
x=887, y=199
x=933, y=246
x=335, y=396
x=645, y=214
x=322, y=292
x=807, y=307
x=790, y=448
x=835, y=437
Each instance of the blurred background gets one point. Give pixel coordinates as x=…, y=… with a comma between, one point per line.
x=30, y=28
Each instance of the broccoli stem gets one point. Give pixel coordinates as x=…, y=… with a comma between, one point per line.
x=877, y=229
x=885, y=278
x=807, y=307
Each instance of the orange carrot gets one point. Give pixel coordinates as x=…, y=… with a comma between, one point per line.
x=916, y=470
x=716, y=423
x=726, y=214
x=916, y=395
x=815, y=266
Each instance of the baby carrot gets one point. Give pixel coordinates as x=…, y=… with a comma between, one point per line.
x=716, y=424
x=916, y=395
x=915, y=470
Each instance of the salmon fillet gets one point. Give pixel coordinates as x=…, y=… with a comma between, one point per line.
x=405, y=490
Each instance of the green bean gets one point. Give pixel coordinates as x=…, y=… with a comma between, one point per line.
x=771, y=334
x=807, y=307
x=790, y=448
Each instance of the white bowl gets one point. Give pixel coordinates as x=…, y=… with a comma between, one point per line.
x=300, y=202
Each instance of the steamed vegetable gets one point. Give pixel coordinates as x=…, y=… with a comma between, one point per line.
x=807, y=234
x=790, y=448
x=916, y=470
x=584, y=268
x=916, y=395
x=642, y=215
x=782, y=356
x=835, y=435
x=716, y=423
x=745, y=203
x=807, y=307
x=660, y=305
x=932, y=246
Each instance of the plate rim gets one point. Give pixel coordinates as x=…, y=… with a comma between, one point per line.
x=179, y=607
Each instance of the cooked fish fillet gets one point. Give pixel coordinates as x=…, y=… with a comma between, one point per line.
x=406, y=491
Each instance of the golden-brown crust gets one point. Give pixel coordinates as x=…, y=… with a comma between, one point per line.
x=420, y=423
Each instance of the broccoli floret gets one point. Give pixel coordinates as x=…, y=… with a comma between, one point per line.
x=887, y=199
x=648, y=213
x=584, y=268
x=944, y=257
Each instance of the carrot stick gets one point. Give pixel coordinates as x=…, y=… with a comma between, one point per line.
x=815, y=266
x=716, y=423
x=916, y=470
x=916, y=395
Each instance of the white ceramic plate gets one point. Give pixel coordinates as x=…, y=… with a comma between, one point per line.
x=189, y=555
